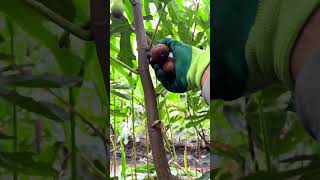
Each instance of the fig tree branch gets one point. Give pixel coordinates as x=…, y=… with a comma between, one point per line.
x=100, y=30
x=155, y=134
x=59, y=20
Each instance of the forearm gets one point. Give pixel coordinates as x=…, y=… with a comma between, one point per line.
x=205, y=84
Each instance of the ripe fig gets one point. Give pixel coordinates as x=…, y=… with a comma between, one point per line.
x=159, y=54
x=117, y=9
x=169, y=68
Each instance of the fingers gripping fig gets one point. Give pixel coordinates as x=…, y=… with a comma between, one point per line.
x=160, y=56
x=184, y=70
x=169, y=67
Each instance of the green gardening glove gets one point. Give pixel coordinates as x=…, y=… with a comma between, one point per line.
x=190, y=63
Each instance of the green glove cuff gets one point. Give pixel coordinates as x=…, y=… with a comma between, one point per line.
x=199, y=62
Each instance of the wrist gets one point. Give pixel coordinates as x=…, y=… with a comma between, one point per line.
x=205, y=75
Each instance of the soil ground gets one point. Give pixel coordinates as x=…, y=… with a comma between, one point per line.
x=197, y=156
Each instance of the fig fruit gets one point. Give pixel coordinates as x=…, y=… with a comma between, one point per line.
x=117, y=9
x=169, y=68
x=159, y=54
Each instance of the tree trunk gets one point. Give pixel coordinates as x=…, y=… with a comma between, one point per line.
x=100, y=18
x=158, y=152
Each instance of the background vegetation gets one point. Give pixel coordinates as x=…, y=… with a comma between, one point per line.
x=185, y=116
x=261, y=137
x=53, y=110
x=52, y=98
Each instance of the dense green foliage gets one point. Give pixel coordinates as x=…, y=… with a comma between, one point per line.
x=260, y=137
x=51, y=92
x=181, y=114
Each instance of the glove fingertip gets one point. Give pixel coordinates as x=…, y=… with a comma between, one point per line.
x=166, y=41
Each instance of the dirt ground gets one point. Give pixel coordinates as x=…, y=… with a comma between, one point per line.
x=197, y=155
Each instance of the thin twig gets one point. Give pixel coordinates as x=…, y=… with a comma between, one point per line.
x=189, y=110
x=95, y=171
x=156, y=30
x=59, y=20
x=202, y=137
x=181, y=168
x=83, y=119
x=124, y=65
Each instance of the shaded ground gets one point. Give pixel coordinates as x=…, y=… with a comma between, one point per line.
x=197, y=155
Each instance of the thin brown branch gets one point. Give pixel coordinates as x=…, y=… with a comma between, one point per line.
x=158, y=152
x=95, y=171
x=156, y=30
x=99, y=29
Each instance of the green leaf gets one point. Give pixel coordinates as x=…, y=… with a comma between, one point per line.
x=118, y=113
x=145, y=168
x=173, y=9
x=100, y=121
x=196, y=117
x=50, y=153
x=40, y=81
x=146, y=7
x=184, y=33
x=175, y=119
x=126, y=54
x=125, y=30
x=198, y=38
x=163, y=102
x=123, y=159
x=45, y=109
x=127, y=87
x=33, y=23
x=119, y=26
x=24, y=163
x=121, y=70
x=194, y=123
x=125, y=96
x=128, y=10
x=225, y=150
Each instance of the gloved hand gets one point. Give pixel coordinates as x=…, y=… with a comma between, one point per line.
x=190, y=63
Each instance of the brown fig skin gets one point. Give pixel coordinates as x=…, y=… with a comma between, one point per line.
x=169, y=68
x=159, y=54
